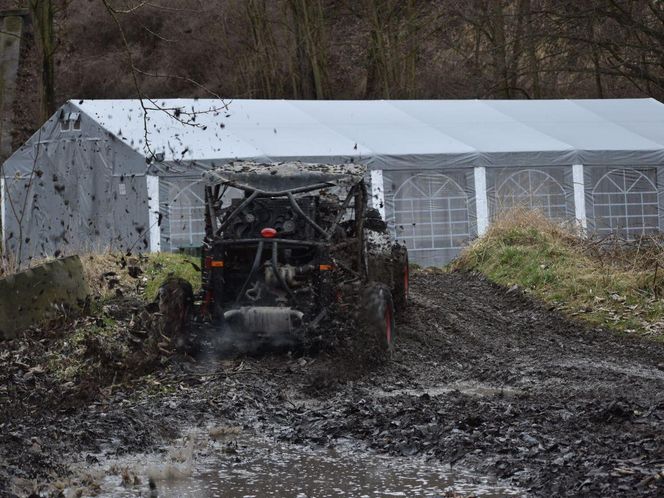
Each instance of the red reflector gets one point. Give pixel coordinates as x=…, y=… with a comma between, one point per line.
x=268, y=233
x=217, y=264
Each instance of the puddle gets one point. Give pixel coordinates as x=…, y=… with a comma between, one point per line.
x=253, y=467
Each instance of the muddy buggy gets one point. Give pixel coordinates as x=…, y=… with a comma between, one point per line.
x=290, y=246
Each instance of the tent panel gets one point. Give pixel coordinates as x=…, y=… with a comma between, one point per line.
x=431, y=212
x=623, y=200
x=642, y=116
x=432, y=133
x=570, y=123
x=485, y=129
x=182, y=212
x=84, y=191
x=546, y=189
x=199, y=132
x=382, y=128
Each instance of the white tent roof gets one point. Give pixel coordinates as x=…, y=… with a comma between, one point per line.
x=392, y=134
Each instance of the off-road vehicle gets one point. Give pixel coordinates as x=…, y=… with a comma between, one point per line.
x=290, y=245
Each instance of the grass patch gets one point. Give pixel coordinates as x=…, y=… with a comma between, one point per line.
x=162, y=265
x=116, y=339
x=608, y=282
x=140, y=275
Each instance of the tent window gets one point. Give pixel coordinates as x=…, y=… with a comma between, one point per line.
x=532, y=189
x=71, y=121
x=625, y=200
x=187, y=218
x=431, y=212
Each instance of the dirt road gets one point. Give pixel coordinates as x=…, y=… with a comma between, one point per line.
x=482, y=377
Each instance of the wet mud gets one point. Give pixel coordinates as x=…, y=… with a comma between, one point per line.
x=482, y=378
x=238, y=465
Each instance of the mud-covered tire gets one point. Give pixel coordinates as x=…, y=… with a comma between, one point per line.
x=175, y=298
x=400, y=277
x=378, y=316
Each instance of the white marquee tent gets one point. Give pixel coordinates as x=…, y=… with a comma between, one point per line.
x=125, y=174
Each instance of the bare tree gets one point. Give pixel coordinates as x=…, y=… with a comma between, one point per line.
x=309, y=38
x=262, y=63
x=147, y=103
x=42, y=15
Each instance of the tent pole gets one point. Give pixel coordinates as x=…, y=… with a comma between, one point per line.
x=481, y=204
x=579, y=195
x=378, y=192
x=3, y=215
x=153, y=212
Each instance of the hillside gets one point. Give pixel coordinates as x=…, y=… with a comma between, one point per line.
x=347, y=50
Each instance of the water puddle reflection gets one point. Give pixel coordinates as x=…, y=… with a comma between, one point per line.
x=254, y=467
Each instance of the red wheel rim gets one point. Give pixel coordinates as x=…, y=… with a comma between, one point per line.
x=388, y=325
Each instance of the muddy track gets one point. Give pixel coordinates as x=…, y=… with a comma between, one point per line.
x=490, y=378
x=483, y=377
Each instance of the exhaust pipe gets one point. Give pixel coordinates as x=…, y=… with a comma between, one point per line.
x=265, y=319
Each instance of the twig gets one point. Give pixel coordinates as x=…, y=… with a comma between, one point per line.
x=654, y=281
x=135, y=71
x=19, y=216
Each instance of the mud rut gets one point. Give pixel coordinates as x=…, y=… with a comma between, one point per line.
x=482, y=377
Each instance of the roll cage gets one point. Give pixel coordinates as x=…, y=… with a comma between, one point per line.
x=351, y=211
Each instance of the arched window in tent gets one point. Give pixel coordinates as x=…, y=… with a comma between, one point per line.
x=626, y=200
x=532, y=189
x=187, y=215
x=431, y=216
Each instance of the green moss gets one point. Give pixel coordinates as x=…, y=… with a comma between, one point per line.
x=163, y=265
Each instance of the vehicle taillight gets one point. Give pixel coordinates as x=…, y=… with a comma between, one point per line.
x=268, y=233
x=211, y=263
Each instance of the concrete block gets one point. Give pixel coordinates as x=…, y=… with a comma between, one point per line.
x=40, y=293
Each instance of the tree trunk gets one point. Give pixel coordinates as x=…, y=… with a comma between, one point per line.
x=515, y=62
x=531, y=50
x=595, y=58
x=410, y=57
x=378, y=79
x=42, y=15
x=308, y=26
x=477, y=59
x=264, y=48
x=499, y=49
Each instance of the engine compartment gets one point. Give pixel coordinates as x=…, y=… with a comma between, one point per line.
x=288, y=270
x=283, y=260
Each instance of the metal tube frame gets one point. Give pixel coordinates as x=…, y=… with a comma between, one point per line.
x=355, y=192
x=275, y=269
x=254, y=193
x=252, y=272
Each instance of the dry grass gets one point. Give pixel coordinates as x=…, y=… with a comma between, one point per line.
x=106, y=273
x=607, y=281
x=110, y=273
x=8, y=265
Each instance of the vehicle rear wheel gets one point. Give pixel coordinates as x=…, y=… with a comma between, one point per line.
x=378, y=313
x=175, y=298
x=401, y=275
